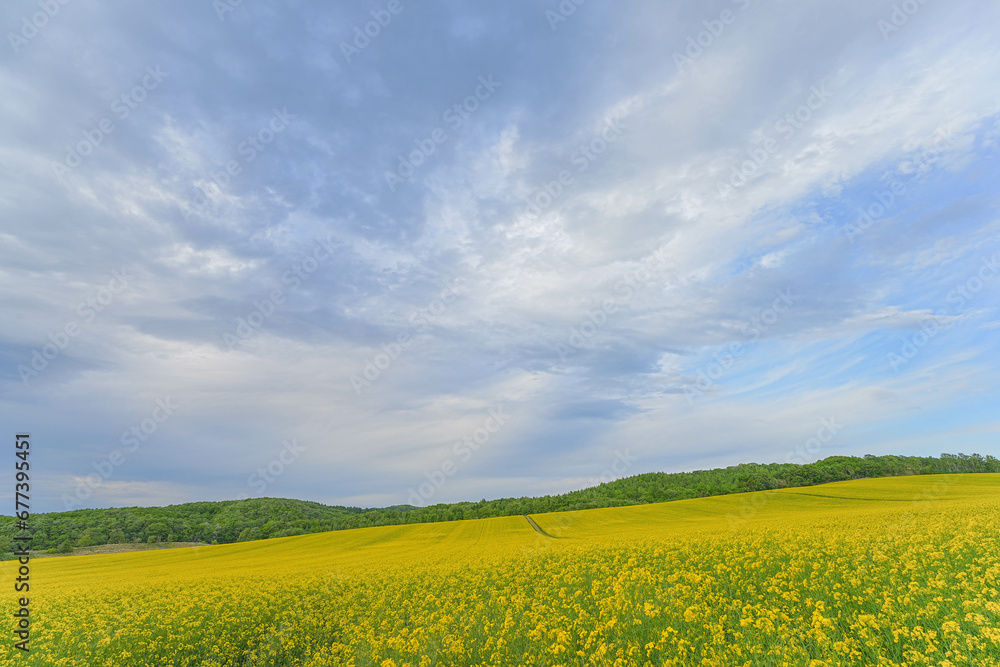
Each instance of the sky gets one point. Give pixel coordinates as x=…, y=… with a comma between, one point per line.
x=384, y=252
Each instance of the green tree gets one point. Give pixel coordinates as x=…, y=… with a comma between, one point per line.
x=91, y=537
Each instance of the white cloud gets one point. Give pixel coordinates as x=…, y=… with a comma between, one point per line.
x=526, y=284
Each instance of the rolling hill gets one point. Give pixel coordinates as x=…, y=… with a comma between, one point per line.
x=899, y=571
x=260, y=518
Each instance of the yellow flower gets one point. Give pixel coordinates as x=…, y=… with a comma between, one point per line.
x=667, y=584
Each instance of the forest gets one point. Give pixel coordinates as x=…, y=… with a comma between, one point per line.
x=261, y=518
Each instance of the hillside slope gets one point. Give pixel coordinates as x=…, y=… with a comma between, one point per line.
x=259, y=518
x=897, y=571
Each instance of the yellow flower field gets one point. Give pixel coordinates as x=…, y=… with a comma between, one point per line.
x=899, y=571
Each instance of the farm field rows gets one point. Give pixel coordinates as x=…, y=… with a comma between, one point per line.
x=892, y=571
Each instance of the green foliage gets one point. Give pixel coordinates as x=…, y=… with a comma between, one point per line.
x=260, y=518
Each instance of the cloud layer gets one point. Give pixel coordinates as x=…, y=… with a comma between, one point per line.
x=685, y=233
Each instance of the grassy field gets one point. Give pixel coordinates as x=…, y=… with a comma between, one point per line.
x=894, y=571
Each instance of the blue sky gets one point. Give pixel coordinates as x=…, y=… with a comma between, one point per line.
x=247, y=249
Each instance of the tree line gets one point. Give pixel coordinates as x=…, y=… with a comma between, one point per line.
x=261, y=518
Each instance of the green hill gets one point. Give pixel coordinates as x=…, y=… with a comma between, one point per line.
x=261, y=518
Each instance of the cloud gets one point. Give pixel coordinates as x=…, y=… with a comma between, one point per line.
x=583, y=241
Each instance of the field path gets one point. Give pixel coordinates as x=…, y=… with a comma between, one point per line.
x=539, y=528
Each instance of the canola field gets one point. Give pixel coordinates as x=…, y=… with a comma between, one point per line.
x=899, y=571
